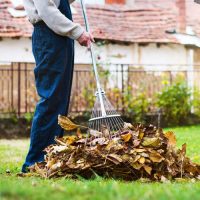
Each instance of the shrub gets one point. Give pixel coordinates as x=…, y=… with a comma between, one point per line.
x=196, y=102
x=136, y=105
x=174, y=100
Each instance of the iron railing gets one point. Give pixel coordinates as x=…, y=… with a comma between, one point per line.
x=18, y=94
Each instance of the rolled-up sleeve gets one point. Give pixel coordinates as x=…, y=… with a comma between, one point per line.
x=55, y=20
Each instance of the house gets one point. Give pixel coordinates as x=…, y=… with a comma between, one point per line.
x=145, y=35
x=133, y=32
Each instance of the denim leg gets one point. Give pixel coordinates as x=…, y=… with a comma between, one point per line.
x=54, y=57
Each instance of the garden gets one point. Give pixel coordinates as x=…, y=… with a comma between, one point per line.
x=12, y=186
x=177, y=109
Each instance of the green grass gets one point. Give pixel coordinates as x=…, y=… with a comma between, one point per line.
x=12, y=153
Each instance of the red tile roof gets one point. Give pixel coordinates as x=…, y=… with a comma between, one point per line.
x=193, y=16
x=146, y=21
x=11, y=26
x=136, y=24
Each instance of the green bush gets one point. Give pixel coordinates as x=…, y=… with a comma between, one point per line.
x=136, y=106
x=196, y=102
x=175, y=102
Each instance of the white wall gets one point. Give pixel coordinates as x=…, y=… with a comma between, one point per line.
x=172, y=54
x=19, y=50
x=16, y=50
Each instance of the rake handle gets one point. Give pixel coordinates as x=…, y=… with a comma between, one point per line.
x=99, y=89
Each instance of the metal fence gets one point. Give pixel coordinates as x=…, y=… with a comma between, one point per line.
x=18, y=94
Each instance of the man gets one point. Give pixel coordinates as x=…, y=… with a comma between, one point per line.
x=53, y=49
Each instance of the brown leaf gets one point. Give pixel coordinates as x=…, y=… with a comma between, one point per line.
x=138, y=151
x=183, y=150
x=126, y=137
x=191, y=168
x=100, y=141
x=142, y=160
x=79, y=134
x=110, y=145
x=148, y=169
x=66, y=123
x=59, y=149
x=136, y=143
x=141, y=135
x=164, y=179
x=151, y=142
x=40, y=171
x=171, y=138
x=71, y=139
x=136, y=165
x=135, y=159
x=156, y=157
x=125, y=157
x=50, y=163
x=114, y=158
x=128, y=126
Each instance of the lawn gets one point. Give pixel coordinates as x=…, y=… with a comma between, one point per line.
x=12, y=153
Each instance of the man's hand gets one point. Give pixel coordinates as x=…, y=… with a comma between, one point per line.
x=85, y=39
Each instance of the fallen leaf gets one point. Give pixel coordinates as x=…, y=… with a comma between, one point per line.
x=136, y=143
x=128, y=126
x=141, y=160
x=183, y=150
x=79, y=134
x=138, y=151
x=71, y=139
x=156, y=157
x=164, y=179
x=126, y=137
x=66, y=123
x=148, y=169
x=141, y=135
x=136, y=165
x=137, y=157
x=114, y=158
x=151, y=142
x=125, y=157
x=171, y=138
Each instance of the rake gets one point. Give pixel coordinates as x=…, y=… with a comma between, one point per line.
x=104, y=116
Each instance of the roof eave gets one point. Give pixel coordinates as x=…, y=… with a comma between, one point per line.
x=186, y=39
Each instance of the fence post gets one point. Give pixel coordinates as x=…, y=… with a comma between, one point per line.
x=190, y=75
x=12, y=89
x=26, y=88
x=122, y=70
x=19, y=90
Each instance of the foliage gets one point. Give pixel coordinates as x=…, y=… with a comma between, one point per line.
x=196, y=102
x=175, y=102
x=136, y=105
x=29, y=117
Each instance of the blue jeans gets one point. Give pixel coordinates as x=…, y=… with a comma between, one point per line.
x=54, y=56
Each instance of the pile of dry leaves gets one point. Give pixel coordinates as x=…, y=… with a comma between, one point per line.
x=141, y=152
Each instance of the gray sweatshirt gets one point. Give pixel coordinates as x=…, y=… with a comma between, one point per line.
x=47, y=11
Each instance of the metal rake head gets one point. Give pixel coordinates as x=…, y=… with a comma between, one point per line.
x=110, y=121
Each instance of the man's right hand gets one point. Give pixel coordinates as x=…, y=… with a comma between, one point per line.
x=85, y=39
